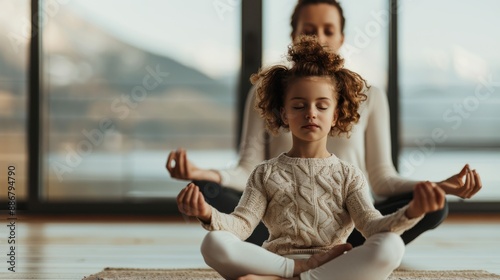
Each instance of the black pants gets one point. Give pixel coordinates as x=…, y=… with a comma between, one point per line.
x=225, y=200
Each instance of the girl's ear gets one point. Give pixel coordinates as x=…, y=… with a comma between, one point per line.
x=283, y=116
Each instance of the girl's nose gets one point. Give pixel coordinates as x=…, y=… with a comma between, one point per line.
x=311, y=114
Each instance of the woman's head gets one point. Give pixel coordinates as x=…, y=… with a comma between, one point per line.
x=317, y=74
x=323, y=18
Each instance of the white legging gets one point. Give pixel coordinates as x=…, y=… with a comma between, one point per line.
x=232, y=258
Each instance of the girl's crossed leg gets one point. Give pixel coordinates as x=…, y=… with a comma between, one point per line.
x=233, y=258
x=375, y=260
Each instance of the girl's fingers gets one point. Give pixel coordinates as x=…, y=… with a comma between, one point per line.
x=201, y=200
x=194, y=201
x=420, y=195
x=430, y=200
x=180, y=200
x=188, y=199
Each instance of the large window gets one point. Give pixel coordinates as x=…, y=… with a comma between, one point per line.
x=124, y=83
x=450, y=90
x=15, y=29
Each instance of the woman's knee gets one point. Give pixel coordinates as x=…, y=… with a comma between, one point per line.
x=434, y=219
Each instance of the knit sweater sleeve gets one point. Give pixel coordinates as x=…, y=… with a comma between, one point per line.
x=384, y=179
x=249, y=211
x=367, y=219
x=252, y=148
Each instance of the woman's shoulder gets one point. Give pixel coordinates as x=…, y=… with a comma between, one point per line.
x=373, y=92
x=375, y=98
x=375, y=95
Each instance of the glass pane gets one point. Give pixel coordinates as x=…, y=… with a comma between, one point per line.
x=450, y=90
x=365, y=45
x=14, y=46
x=124, y=86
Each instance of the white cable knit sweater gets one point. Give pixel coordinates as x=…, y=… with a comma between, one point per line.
x=308, y=204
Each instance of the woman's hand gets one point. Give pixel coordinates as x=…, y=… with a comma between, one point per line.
x=181, y=168
x=427, y=197
x=456, y=186
x=190, y=202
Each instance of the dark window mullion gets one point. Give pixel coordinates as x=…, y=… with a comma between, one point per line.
x=393, y=82
x=34, y=113
x=251, y=53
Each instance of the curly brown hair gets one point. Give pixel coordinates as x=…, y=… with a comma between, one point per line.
x=309, y=59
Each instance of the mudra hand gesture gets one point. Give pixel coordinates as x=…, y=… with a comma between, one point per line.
x=181, y=168
x=455, y=185
x=190, y=202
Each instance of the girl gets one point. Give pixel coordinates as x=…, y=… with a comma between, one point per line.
x=368, y=148
x=309, y=199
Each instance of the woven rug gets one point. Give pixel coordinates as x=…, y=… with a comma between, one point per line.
x=209, y=274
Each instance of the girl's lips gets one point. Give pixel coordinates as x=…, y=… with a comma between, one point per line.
x=310, y=126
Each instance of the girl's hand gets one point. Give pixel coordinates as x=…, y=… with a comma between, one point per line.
x=456, y=186
x=427, y=197
x=190, y=202
x=181, y=168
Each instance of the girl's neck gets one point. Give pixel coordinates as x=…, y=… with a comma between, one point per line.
x=301, y=149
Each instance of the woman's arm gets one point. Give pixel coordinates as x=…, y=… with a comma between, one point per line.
x=252, y=152
x=383, y=177
x=252, y=147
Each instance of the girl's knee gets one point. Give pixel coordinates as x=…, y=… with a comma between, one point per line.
x=211, y=244
x=216, y=247
x=389, y=250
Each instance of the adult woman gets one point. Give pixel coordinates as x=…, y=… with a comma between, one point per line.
x=368, y=147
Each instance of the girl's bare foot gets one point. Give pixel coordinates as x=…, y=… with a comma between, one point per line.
x=319, y=259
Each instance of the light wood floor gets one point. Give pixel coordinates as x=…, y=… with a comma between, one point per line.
x=73, y=247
